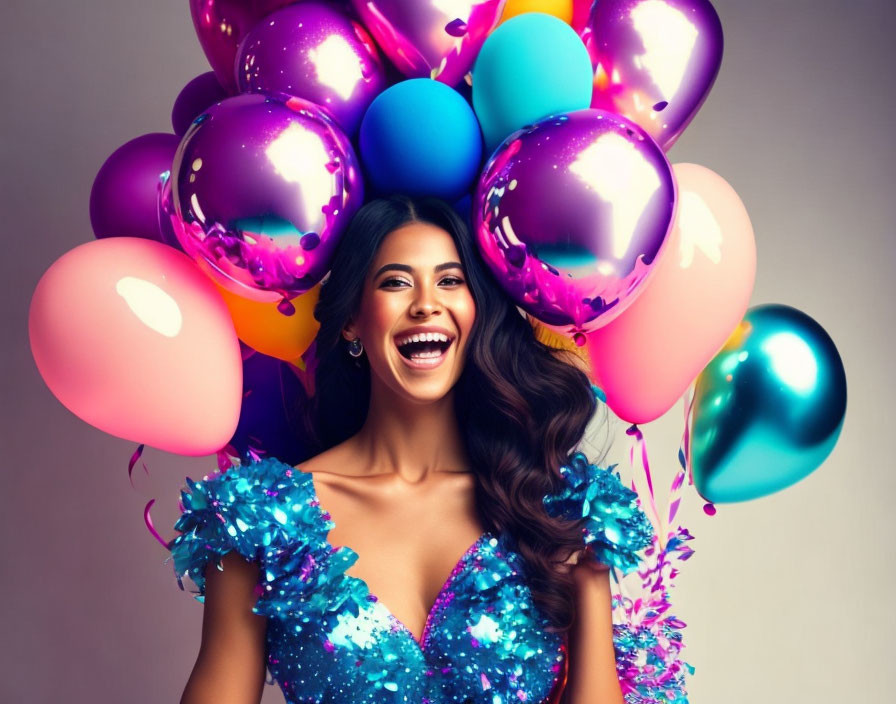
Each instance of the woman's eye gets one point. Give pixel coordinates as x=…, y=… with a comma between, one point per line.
x=453, y=280
x=387, y=282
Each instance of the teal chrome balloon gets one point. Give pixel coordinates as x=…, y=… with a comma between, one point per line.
x=532, y=66
x=768, y=408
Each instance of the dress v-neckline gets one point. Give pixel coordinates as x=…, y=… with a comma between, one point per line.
x=458, y=568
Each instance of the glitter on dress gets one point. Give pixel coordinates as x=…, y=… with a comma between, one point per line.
x=329, y=640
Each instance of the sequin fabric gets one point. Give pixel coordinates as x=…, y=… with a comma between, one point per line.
x=329, y=640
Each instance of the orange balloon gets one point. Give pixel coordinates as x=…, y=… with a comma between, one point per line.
x=697, y=295
x=261, y=326
x=558, y=8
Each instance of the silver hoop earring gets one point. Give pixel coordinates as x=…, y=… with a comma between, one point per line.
x=355, y=347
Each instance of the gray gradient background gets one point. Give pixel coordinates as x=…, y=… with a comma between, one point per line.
x=786, y=598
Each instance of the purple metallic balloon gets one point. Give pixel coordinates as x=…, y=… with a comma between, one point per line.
x=431, y=38
x=200, y=93
x=261, y=191
x=124, y=196
x=313, y=51
x=570, y=214
x=222, y=24
x=654, y=62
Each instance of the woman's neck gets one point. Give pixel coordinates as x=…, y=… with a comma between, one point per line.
x=410, y=440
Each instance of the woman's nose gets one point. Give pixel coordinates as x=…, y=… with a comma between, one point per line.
x=426, y=300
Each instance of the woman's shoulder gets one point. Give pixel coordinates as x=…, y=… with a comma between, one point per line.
x=256, y=508
x=614, y=527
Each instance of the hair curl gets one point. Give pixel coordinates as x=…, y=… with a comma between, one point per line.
x=521, y=408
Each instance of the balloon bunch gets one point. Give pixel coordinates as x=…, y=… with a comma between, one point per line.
x=187, y=323
x=548, y=129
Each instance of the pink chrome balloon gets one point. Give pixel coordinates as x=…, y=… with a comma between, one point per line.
x=431, y=38
x=570, y=214
x=132, y=338
x=646, y=358
x=654, y=60
x=313, y=51
x=222, y=24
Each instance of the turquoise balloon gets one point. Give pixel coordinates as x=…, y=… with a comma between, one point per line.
x=768, y=408
x=531, y=66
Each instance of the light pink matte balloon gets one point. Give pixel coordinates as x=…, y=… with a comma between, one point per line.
x=645, y=359
x=134, y=339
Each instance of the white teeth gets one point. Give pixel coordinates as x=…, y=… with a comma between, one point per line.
x=424, y=337
x=425, y=355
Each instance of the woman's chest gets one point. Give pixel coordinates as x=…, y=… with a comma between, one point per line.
x=484, y=639
x=407, y=544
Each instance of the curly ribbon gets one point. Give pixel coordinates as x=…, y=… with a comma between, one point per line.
x=640, y=445
x=647, y=638
x=134, y=457
x=147, y=517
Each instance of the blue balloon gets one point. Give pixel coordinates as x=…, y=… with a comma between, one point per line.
x=420, y=137
x=768, y=408
x=532, y=66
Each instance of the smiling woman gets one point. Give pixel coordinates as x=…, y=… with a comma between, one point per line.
x=439, y=542
x=417, y=290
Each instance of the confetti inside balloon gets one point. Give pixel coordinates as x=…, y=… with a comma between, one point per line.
x=261, y=191
x=570, y=214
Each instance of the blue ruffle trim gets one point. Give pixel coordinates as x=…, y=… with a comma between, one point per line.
x=267, y=511
x=615, y=527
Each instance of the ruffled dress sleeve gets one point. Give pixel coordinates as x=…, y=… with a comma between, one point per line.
x=266, y=511
x=615, y=529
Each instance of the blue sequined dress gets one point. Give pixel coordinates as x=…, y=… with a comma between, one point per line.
x=329, y=640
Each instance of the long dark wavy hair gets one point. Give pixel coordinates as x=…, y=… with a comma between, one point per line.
x=520, y=407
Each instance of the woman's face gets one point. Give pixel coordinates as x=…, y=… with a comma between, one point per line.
x=416, y=281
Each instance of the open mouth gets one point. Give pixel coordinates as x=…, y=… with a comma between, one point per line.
x=424, y=353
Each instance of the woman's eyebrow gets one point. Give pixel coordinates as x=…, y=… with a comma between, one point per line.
x=410, y=269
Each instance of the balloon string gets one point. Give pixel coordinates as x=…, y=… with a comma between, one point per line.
x=639, y=443
x=688, y=418
x=675, y=491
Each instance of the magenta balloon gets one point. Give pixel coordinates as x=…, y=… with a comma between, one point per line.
x=430, y=38
x=654, y=62
x=200, y=93
x=262, y=190
x=124, y=196
x=570, y=214
x=313, y=51
x=222, y=24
